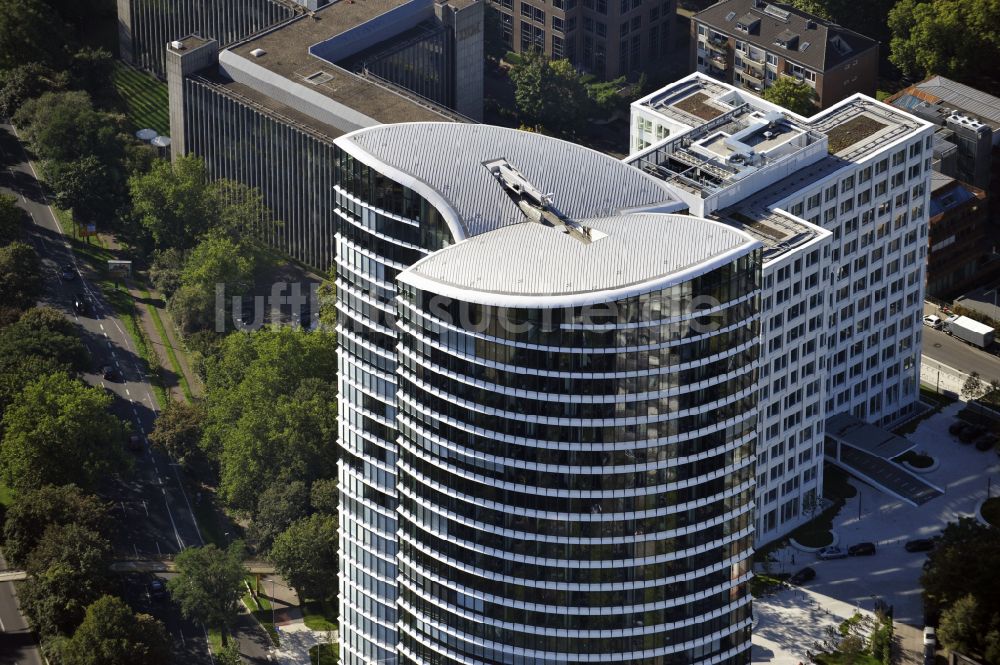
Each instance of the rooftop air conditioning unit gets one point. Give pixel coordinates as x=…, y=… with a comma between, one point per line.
x=177, y=45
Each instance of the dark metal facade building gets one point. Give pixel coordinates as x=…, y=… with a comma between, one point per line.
x=291, y=164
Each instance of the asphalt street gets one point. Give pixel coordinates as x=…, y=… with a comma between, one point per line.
x=953, y=352
x=154, y=514
x=17, y=644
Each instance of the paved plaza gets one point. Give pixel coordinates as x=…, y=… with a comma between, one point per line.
x=893, y=574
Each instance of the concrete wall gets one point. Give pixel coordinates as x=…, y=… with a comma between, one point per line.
x=180, y=62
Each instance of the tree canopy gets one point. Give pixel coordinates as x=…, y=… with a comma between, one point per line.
x=111, y=634
x=796, y=96
x=957, y=568
x=20, y=275
x=555, y=96
x=305, y=554
x=216, y=260
x=955, y=38
x=178, y=430
x=281, y=503
x=58, y=431
x=271, y=410
x=34, y=510
x=29, y=33
x=209, y=584
x=11, y=217
x=67, y=571
x=177, y=203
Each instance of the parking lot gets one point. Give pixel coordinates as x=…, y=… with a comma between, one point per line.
x=892, y=574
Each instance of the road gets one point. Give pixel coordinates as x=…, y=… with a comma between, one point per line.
x=17, y=643
x=155, y=516
x=945, y=349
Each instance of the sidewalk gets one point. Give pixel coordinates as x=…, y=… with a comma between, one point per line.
x=295, y=637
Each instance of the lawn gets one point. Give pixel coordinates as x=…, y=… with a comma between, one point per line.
x=324, y=654
x=991, y=511
x=320, y=615
x=260, y=607
x=145, y=98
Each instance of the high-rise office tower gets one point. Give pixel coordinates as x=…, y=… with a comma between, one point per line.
x=548, y=406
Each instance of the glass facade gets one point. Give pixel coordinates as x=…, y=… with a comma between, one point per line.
x=292, y=166
x=383, y=228
x=576, y=485
x=147, y=26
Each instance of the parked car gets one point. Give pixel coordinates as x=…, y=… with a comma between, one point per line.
x=933, y=321
x=831, y=552
x=157, y=589
x=920, y=545
x=956, y=427
x=109, y=373
x=134, y=443
x=861, y=549
x=68, y=272
x=985, y=441
x=805, y=575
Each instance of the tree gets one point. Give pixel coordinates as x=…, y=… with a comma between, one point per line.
x=814, y=7
x=81, y=185
x=65, y=127
x=172, y=201
x=229, y=655
x=165, y=270
x=271, y=408
x=962, y=563
x=29, y=33
x=959, y=627
x=974, y=388
x=19, y=84
x=549, y=93
x=33, y=511
x=58, y=431
x=305, y=554
x=67, y=571
x=955, y=38
x=20, y=275
x=23, y=340
x=111, y=634
x=177, y=204
x=178, y=430
x=283, y=502
x=324, y=496
x=216, y=260
x=796, y=96
x=209, y=584
x=48, y=319
x=11, y=217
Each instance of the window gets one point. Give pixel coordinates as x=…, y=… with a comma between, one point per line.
x=601, y=6
x=654, y=14
x=527, y=10
x=623, y=31
x=588, y=24
x=625, y=6
x=558, y=46
x=602, y=30
x=772, y=59
x=557, y=24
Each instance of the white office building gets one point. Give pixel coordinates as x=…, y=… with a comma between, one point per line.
x=840, y=202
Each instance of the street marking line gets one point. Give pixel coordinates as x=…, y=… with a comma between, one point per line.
x=170, y=514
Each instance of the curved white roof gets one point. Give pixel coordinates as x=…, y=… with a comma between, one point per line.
x=443, y=162
x=533, y=265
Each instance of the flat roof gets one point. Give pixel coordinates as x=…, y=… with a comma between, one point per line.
x=857, y=433
x=530, y=261
x=946, y=92
x=443, y=162
x=286, y=53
